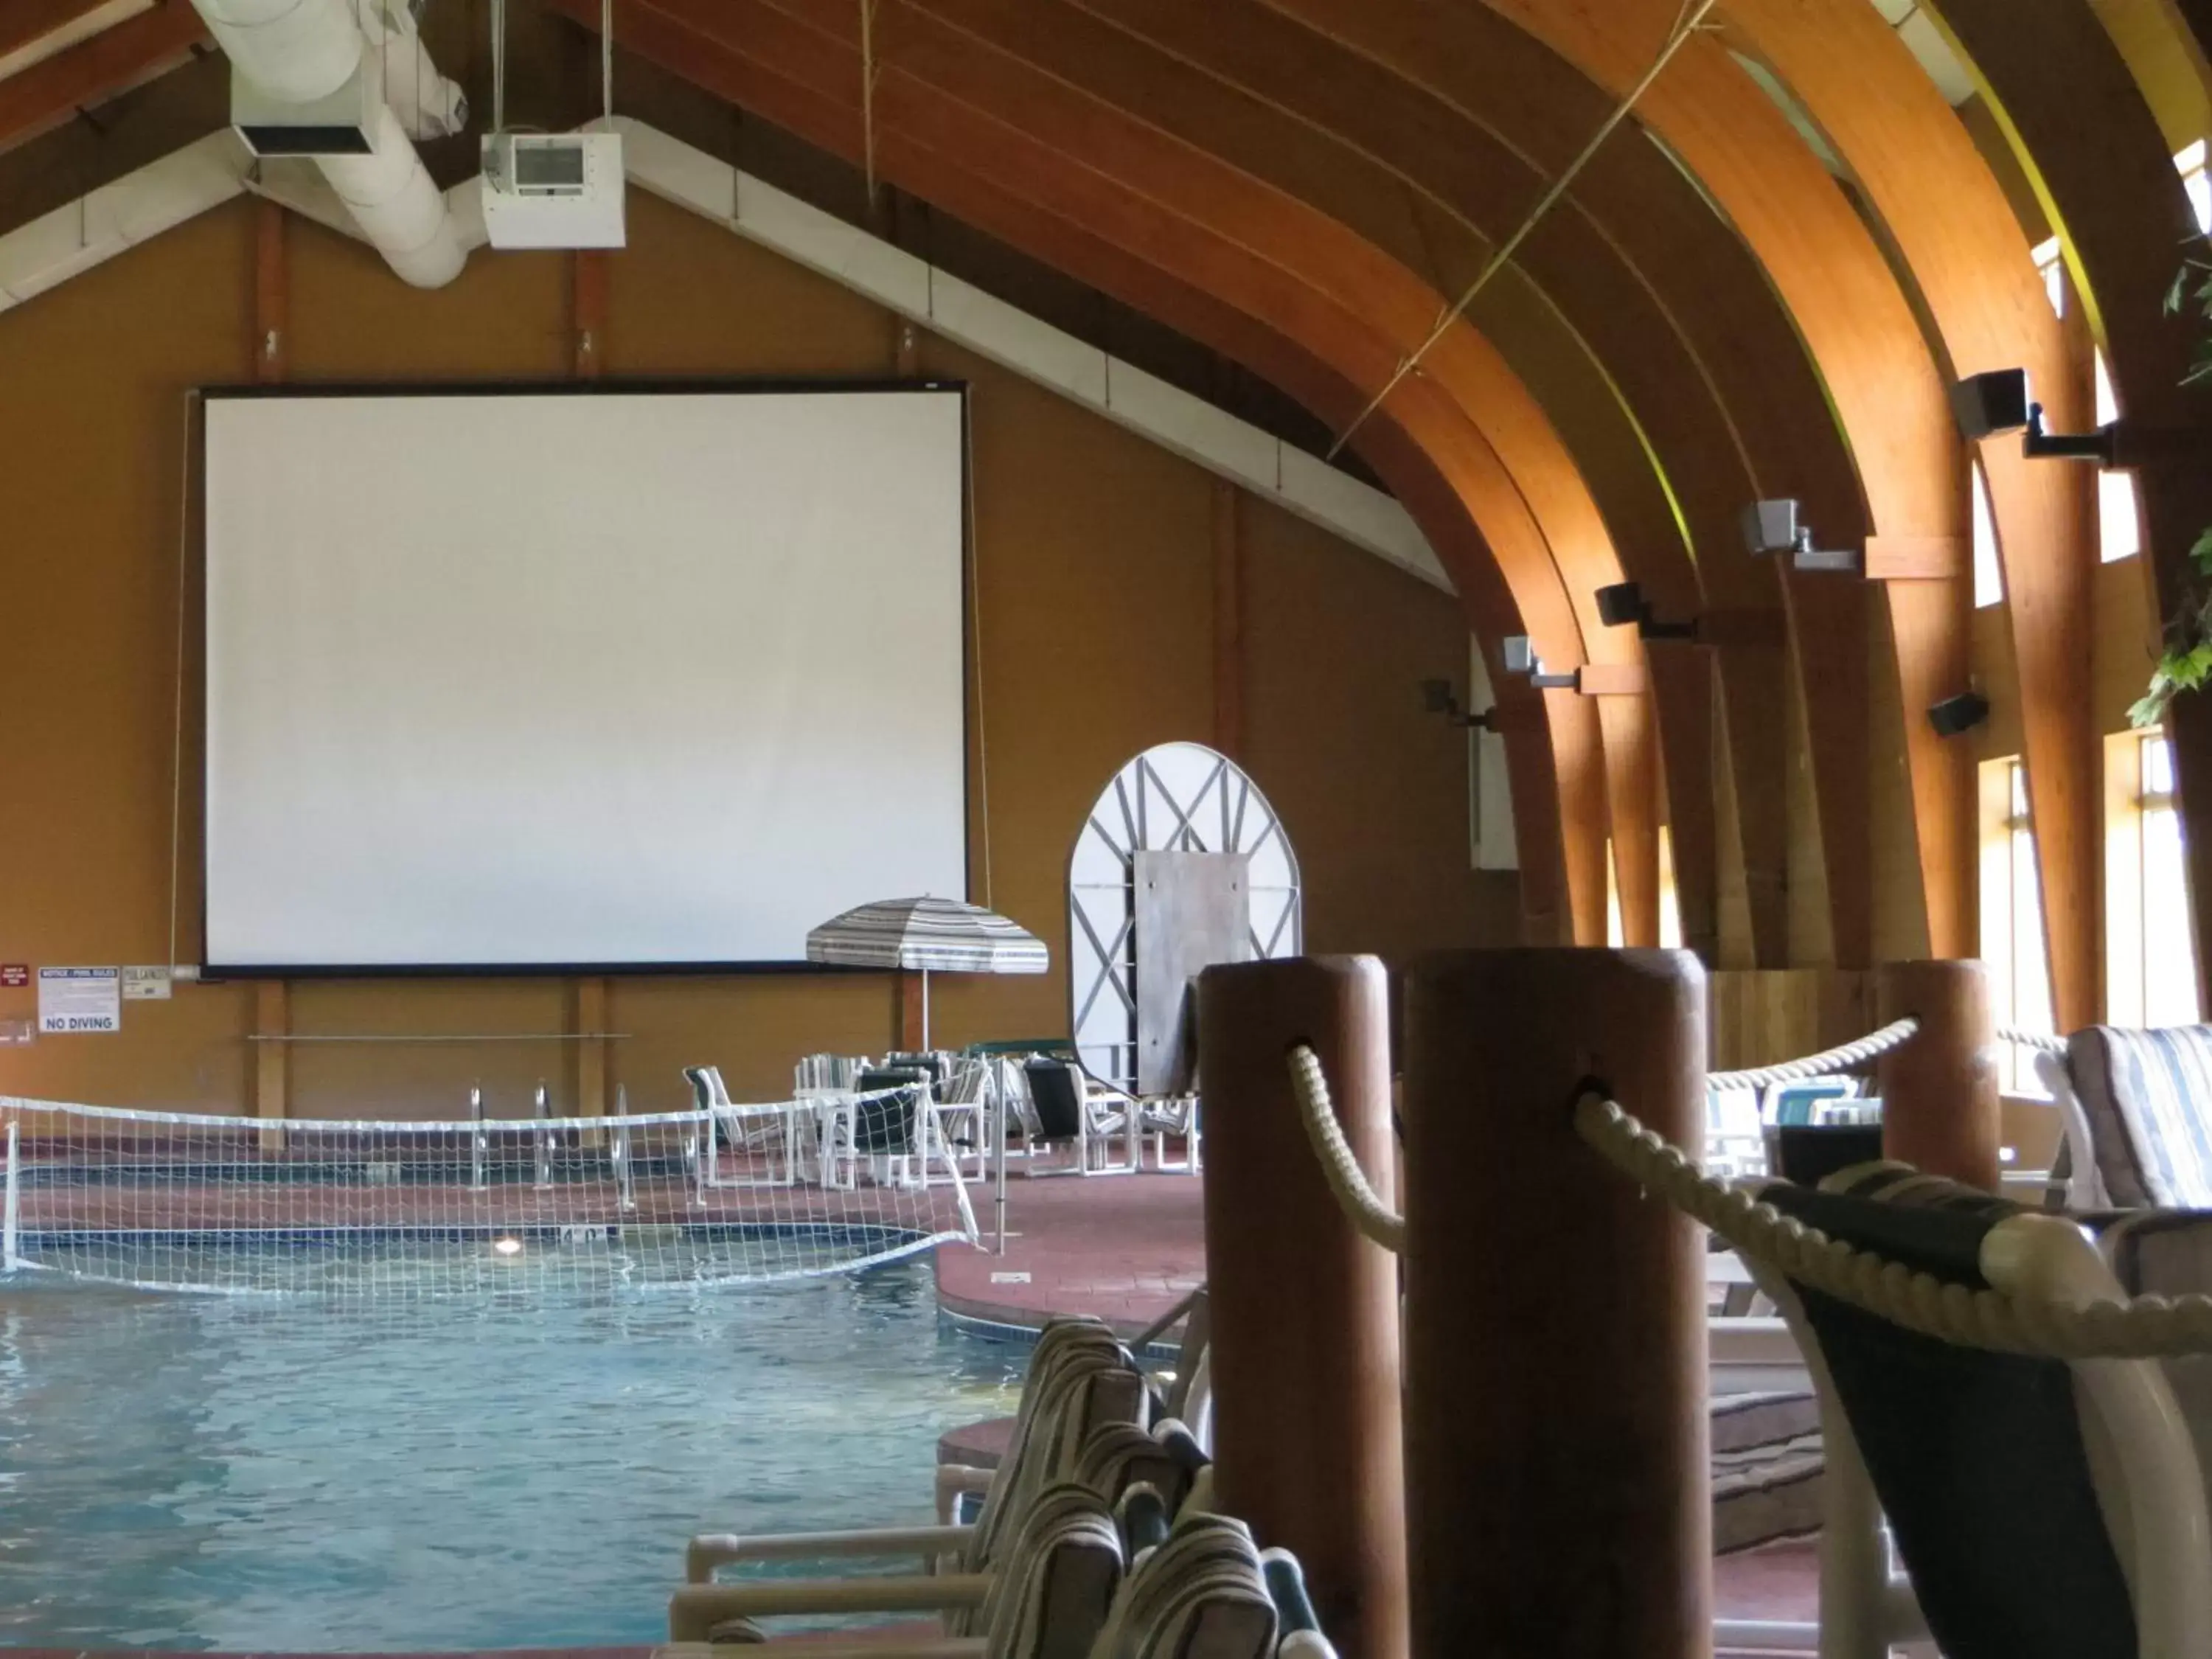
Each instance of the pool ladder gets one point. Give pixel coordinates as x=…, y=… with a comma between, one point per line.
x=618, y=1155
x=541, y=1108
x=479, y=1139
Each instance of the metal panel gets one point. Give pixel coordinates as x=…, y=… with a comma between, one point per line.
x=1194, y=909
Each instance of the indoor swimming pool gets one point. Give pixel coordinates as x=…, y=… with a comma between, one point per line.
x=516, y=1469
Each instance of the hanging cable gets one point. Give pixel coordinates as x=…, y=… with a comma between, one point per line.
x=607, y=62
x=868, y=97
x=499, y=65
x=1684, y=26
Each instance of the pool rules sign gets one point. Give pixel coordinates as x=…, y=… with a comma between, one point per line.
x=80, y=999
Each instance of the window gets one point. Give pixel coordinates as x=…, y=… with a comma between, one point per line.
x=1989, y=574
x=2150, y=962
x=2012, y=919
x=2120, y=532
x=1670, y=906
x=2191, y=161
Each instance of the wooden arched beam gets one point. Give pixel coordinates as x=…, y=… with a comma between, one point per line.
x=1559, y=779
x=919, y=47
x=1192, y=217
x=1496, y=78
x=1458, y=167
x=2076, y=121
x=1535, y=341
x=1856, y=321
x=1976, y=274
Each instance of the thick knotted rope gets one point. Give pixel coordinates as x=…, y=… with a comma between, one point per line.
x=1829, y=1061
x=1889, y=1290
x=2042, y=1042
x=1354, y=1194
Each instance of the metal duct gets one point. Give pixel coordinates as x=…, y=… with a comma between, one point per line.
x=301, y=51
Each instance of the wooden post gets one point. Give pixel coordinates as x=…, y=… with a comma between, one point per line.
x=272, y=1023
x=589, y=1014
x=1939, y=1092
x=906, y=1019
x=588, y=312
x=1228, y=621
x=271, y=295
x=1556, y=1433
x=1307, y=1416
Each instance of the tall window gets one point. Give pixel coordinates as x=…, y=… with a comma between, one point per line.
x=2119, y=531
x=2012, y=918
x=1670, y=902
x=1989, y=575
x=1670, y=906
x=2151, y=964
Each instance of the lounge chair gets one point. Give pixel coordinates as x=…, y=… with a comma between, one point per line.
x=2136, y=1110
x=1067, y=1114
x=2020, y=1542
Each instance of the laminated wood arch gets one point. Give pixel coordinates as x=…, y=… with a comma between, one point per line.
x=1855, y=320
x=1537, y=346
x=1440, y=466
x=1971, y=262
x=1505, y=88
x=1641, y=327
x=2077, y=122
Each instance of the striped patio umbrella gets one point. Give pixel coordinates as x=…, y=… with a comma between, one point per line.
x=928, y=936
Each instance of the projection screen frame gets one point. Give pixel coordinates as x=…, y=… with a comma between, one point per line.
x=658, y=385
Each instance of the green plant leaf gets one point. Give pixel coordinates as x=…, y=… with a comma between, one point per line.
x=2200, y=555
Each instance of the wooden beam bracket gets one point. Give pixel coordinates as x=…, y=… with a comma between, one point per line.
x=1918, y=558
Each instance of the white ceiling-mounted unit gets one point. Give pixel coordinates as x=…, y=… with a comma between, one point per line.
x=553, y=190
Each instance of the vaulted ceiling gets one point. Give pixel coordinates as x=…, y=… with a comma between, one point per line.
x=1574, y=350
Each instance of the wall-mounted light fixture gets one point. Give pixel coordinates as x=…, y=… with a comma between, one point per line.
x=1437, y=698
x=1963, y=712
x=1991, y=404
x=1771, y=526
x=1519, y=652
x=1621, y=605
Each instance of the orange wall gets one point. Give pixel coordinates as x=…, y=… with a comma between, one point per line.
x=1096, y=598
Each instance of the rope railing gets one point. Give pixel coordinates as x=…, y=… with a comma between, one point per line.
x=1355, y=1194
x=1843, y=1058
x=2138, y=1327
x=2048, y=1042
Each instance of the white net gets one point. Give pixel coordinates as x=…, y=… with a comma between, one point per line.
x=177, y=1201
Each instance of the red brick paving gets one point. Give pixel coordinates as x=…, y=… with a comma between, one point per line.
x=1125, y=1248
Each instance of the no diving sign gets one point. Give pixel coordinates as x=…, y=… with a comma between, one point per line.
x=80, y=999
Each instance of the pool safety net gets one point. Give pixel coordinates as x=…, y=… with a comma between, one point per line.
x=175, y=1201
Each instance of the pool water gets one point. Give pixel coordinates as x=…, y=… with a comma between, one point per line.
x=516, y=1469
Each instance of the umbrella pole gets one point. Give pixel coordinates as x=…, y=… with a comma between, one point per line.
x=925, y=1011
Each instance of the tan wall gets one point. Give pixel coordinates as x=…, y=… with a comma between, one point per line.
x=1095, y=596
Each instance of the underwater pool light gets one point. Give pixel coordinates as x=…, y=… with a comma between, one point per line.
x=507, y=1247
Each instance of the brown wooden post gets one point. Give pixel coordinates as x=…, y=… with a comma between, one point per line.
x=1558, y=1489
x=1939, y=1092
x=1307, y=1414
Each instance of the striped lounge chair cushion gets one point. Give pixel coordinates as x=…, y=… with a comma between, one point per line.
x=2145, y=1097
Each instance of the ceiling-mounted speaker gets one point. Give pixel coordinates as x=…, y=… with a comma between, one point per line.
x=1960, y=714
x=1620, y=604
x=1771, y=527
x=1986, y=404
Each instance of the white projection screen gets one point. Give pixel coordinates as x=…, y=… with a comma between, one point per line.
x=603, y=678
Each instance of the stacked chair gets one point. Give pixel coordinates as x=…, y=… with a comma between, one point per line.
x=1096, y=1540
